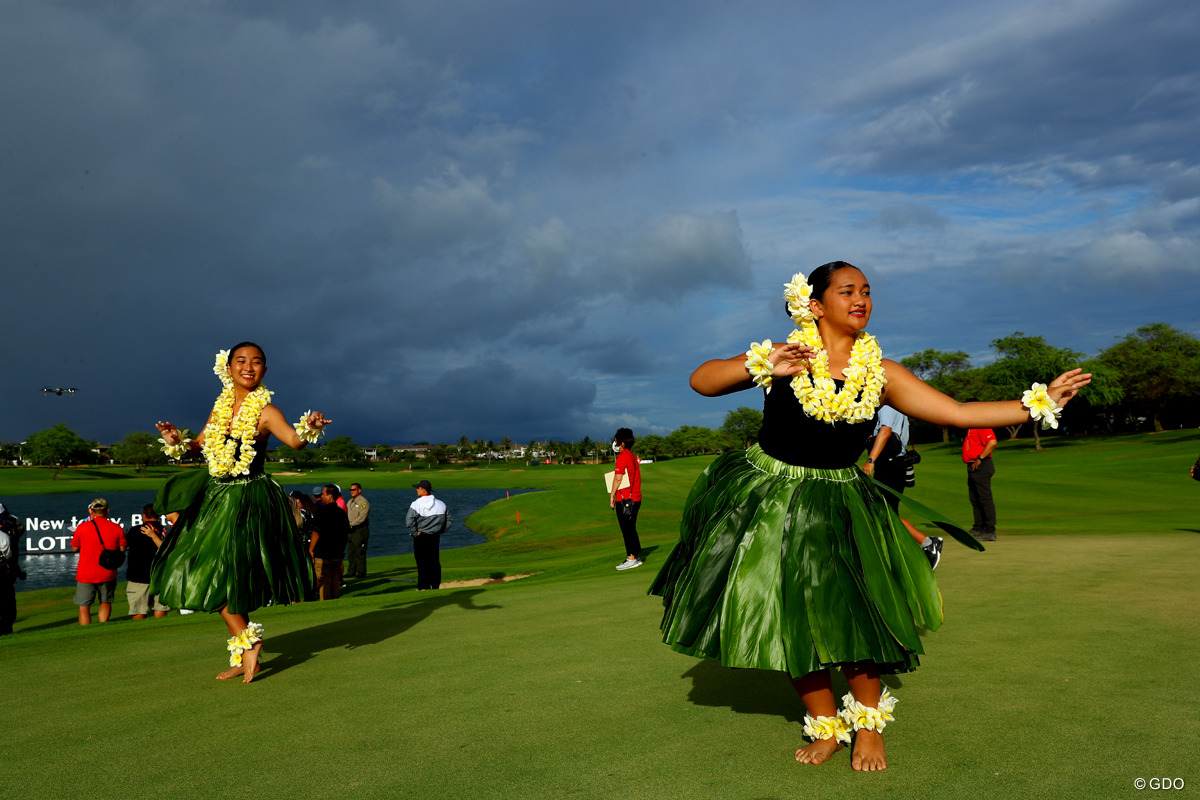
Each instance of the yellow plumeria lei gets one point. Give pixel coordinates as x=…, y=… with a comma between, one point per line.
x=816, y=728
x=860, y=717
x=1041, y=406
x=177, y=450
x=306, y=431
x=815, y=389
x=224, y=433
x=244, y=641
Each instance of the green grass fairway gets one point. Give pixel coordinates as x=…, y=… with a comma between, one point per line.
x=1065, y=668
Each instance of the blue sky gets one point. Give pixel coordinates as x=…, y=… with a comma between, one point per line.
x=534, y=219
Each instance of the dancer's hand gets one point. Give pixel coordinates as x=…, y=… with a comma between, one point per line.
x=1067, y=385
x=791, y=358
x=317, y=420
x=170, y=433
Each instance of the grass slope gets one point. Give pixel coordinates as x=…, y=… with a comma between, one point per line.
x=1062, y=669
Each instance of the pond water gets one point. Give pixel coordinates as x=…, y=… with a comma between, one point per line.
x=48, y=561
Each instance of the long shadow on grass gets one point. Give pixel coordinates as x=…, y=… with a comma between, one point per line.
x=370, y=628
x=756, y=691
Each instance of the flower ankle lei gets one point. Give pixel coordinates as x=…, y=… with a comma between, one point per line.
x=814, y=388
x=244, y=641
x=860, y=717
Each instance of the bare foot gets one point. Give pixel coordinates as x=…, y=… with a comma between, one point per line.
x=818, y=752
x=868, y=752
x=229, y=673
x=251, y=667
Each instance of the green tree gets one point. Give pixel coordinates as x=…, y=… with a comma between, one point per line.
x=465, y=448
x=693, y=440
x=343, y=449
x=384, y=452
x=140, y=449
x=742, y=426
x=930, y=365
x=1158, y=365
x=651, y=446
x=58, y=446
x=304, y=457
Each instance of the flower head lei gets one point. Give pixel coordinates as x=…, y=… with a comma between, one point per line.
x=224, y=432
x=815, y=389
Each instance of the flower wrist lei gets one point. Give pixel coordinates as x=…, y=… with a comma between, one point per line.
x=177, y=450
x=860, y=717
x=814, y=388
x=1041, y=406
x=244, y=641
x=306, y=431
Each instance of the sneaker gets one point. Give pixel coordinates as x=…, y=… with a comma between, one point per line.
x=985, y=536
x=627, y=564
x=933, y=550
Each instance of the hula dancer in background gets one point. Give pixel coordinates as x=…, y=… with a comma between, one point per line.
x=789, y=557
x=235, y=546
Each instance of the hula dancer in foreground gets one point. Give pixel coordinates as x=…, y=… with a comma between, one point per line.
x=789, y=558
x=235, y=546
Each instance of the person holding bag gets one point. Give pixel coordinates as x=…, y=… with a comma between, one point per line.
x=628, y=500
x=101, y=545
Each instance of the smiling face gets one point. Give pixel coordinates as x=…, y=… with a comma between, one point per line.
x=847, y=301
x=247, y=366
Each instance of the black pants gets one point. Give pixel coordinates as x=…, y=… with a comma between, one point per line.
x=8, y=604
x=979, y=488
x=429, y=567
x=627, y=511
x=357, y=551
x=890, y=472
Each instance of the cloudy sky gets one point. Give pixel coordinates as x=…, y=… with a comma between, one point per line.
x=534, y=218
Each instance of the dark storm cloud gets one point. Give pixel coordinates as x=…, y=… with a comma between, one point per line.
x=493, y=219
x=1095, y=96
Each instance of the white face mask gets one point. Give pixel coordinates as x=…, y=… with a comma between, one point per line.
x=616, y=447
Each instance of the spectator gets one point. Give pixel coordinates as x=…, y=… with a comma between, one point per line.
x=627, y=501
x=358, y=510
x=10, y=568
x=144, y=541
x=977, y=455
x=887, y=462
x=428, y=519
x=331, y=530
x=93, y=536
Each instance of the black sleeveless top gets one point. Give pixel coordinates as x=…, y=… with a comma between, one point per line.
x=791, y=436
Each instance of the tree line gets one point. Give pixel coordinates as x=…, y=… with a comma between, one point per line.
x=1150, y=377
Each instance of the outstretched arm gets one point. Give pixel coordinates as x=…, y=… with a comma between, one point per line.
x=723, y=376
x=272, y=420
x=910, y=395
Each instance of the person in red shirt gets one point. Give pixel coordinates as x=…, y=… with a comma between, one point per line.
x=977, y=455
x=95, y=534
x=627, y=501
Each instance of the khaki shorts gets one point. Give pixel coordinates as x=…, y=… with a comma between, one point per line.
x=85, y=593
x=139, y=598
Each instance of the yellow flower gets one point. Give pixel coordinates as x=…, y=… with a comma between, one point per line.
x=758, y=363
x=1041, y=405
